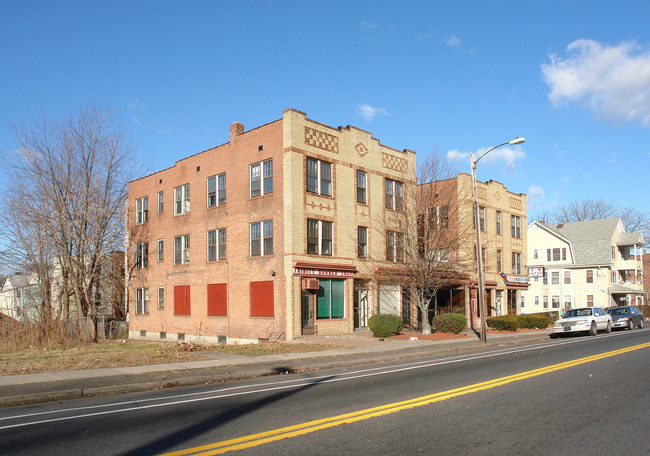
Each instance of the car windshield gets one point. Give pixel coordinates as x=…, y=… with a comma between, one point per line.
x=577, y=313
x=619, y=311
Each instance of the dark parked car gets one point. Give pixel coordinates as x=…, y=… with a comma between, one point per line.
x=626, y=317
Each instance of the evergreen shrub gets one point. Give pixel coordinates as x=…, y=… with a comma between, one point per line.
x=450, y=323
x=503, y=323
x=385, y=325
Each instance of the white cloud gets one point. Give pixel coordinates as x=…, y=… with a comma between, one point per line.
x=565, y=179
x=454, y=41
x=611, y=81
x=368, y=113
x=503, y=154
x=535, y=198
x=367, y=27
x=135, y=105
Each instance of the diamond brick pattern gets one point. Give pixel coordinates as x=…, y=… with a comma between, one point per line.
x=322, y=140
x=515, y=203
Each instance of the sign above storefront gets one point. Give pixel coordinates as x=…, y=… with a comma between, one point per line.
x=322, y=272
x=536, y=272
x=508, y=279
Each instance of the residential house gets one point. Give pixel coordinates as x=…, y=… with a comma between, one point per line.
x=274, y=234
x=20, y=298
x=583, y=264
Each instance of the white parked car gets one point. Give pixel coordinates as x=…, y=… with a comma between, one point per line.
x=587, y=319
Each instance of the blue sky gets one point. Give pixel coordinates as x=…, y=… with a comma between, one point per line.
x=573, y=78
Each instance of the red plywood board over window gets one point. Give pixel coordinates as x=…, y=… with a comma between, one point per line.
x=182, y=300
x=262, y=299
x=217, y=300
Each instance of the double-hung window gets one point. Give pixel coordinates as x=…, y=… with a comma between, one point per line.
x=362, y=242
x=217, y=190
x=481, y=217
x=182, y=199
x=515, y=226
x=499, y=261
x=261, y=178
x=516, y=263
x=498, y=222
x=262, y=238
x=142, y=255
x=161, y=201
x=217, y=244
x=141, y=210
x=394, y=195
x=361, y=187
x=567, y=277
x=319, y=177
x=319, y=237
x=555, y=278
x=161, y=297
x=589, y=276
x=182, y=249
x=142, y=300
x=161, y=250
x=394, y=246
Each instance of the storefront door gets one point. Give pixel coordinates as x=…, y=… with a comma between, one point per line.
x=307, y=312
x=360, y=308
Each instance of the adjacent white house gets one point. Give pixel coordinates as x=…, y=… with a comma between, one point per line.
x=583, y=264
x=19, y=297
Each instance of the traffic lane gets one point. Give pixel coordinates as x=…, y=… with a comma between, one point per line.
x=594, y=408
x=194, y=423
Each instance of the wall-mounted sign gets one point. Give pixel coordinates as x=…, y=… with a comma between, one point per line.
x=536, y=272
x=322, y=272
x=508, y=279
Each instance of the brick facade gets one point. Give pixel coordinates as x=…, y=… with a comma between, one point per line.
x=255, y=297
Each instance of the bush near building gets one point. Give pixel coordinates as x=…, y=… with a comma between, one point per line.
x=450, y=322
x=385, y=325
x=503, y=323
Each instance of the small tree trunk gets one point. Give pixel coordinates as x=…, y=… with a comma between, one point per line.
x=424, y=308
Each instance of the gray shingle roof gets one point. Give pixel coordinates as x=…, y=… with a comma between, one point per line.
x=591, y=240
x=630, y=239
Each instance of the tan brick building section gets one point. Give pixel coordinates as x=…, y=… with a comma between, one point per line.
x=290, y=218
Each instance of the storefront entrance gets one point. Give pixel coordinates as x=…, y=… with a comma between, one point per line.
x=307, y=312
x=361, y=307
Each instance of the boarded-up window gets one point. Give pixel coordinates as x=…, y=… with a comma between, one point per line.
x=217, y=300
x=182, y=300
x=262, y=299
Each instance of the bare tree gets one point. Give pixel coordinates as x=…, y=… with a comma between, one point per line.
x=429, y=235
x=634, y=220
x=64, y=202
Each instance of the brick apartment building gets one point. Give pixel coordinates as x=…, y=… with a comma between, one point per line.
x=277, y=233
x=502, y=221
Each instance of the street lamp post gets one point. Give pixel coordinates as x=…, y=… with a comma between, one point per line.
x=477, y=227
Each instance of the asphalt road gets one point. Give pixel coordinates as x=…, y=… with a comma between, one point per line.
x=573, y=395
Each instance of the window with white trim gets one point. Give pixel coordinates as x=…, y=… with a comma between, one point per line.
x=498, y=222
x=161, y=250
x=362, y=242
x=319, y=177
x=589, y=276
x=394, y=246
x=516, y=263
x=141, y=301
x=319, y=237
x=535, y=254
x=142, y=255
x=182, y=249
x=361, y=187
x=261, y=178
x=217, y=190
x=182, y=199
x=161, y=201
x=555, y=278
x=262, y=238
x=568, y=300
x=567, y=277
x=545, y=301
x=161, y=297
x=590, y=300
x=393, y=195
x=536, y=300
x=141, y=210
x=555, y=302
x=217, y=244
x=515, y=226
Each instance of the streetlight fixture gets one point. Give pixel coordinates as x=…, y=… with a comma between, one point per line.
x=479, y=251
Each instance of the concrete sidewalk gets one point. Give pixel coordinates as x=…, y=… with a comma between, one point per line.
x=360, y=349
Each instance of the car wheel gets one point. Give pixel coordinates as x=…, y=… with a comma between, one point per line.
x=593, y=330
x=641, y=324
x=630, y=325
x=608, y=328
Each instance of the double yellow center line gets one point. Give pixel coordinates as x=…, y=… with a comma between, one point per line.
x=316, y=425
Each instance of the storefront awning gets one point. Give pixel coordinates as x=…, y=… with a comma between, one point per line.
x=620, y=289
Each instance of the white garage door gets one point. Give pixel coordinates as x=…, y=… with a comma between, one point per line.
x=389, y=299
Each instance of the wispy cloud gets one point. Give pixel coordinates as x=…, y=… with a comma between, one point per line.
x=536, y=197
x=611, y=81
x=507, y=155
x=368, y=112
x=454, y=41
x=135, y=105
